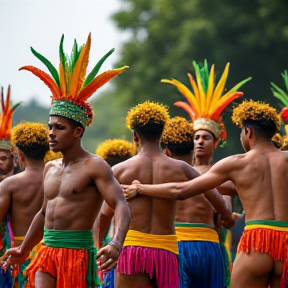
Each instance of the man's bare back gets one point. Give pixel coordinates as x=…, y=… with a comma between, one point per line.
x=150, y=214
x=26, y=199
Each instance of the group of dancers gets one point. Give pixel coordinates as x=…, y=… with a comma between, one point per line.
x=168, y=203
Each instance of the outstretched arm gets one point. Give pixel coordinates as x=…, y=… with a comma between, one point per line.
x=216, y=176
x=227, y=188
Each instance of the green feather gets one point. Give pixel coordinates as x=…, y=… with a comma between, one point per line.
x=16, y=105
x=203, y=73
x=75, y=53
x=97, y=67
x=237, y=86
x=285, y=77
x=280, y=94
x=48, y=64
x=63, y=60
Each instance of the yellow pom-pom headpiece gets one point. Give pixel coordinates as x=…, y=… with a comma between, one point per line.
x=147, y=112
x=115, y=148
x=6, y=120
x=252, y=110
x=205, y=100
x=115, y=151
x=285, y=143
x=70, y=87
x=277, y=140
x=50, y=156
x=177, y=131
x=30, y=134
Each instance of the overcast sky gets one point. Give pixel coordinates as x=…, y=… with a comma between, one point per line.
x=40, y=24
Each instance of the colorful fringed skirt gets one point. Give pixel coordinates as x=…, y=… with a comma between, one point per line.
x=6, y=277
x=200, y=258
x=155, y=255
x=267, y=236
x=19, y=279
x=68, y=256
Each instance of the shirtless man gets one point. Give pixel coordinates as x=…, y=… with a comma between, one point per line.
x=201, y=263
x=260, y=177
x=32, y=141
x=113, y=151
x=74, y=187
x=151, y=237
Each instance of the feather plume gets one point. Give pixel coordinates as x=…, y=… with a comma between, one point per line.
x=99, y=81
x=79, y=70
x=48, y=64
x=186, y=107
x=6, y=115
x=45, y=78
x=97, y=67
x=186, y=93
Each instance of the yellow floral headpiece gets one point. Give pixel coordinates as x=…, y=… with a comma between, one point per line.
x=30, y=134
x=70, y=87
x=278, y=140
x=147, y=112
x=50, y=156
x=252, y=110
x=177, y=131
x=205, y=101
x=285, y=143
x=117, y=148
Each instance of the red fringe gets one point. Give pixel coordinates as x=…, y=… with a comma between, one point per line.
x=68, y=266
x=275, y=243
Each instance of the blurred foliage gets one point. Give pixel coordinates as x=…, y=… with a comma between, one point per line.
x=165, y=36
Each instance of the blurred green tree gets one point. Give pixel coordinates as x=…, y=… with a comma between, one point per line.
x=166, y=35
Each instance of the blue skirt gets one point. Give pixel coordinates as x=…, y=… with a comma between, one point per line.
x=201, y=265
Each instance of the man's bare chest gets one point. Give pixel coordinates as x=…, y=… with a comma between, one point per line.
x=65, y=183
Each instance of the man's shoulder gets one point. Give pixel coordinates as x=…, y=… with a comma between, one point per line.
x=11, y=183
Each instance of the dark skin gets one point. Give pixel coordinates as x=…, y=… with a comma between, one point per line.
x=22, y=198
x=150, y=214
x=74, y=189
x=6, y=164
x=260, y=177
x=201, y=208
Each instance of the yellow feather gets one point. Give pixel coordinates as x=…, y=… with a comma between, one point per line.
x=202, y=103
x=185, y=92
x=62, y=79
x=79, y=71
x=196, y=90
x=210, y=89
x=219, y=89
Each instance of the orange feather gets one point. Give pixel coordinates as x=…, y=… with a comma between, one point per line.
x=79, y=71
x=186, y=107
x=99, y=81
x=45, y=78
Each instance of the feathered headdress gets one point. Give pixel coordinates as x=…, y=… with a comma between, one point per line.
x=6, y=120
x=70, y=87
x=206, y=102
x=283, y=97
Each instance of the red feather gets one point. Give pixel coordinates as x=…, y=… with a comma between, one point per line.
x=186, y=107
x=223, y=105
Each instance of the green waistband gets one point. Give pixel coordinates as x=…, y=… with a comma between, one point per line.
x=267, y=222
x=80, y=239
x=182, y=224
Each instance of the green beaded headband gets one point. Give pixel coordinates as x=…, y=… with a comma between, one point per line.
x=69, y=110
